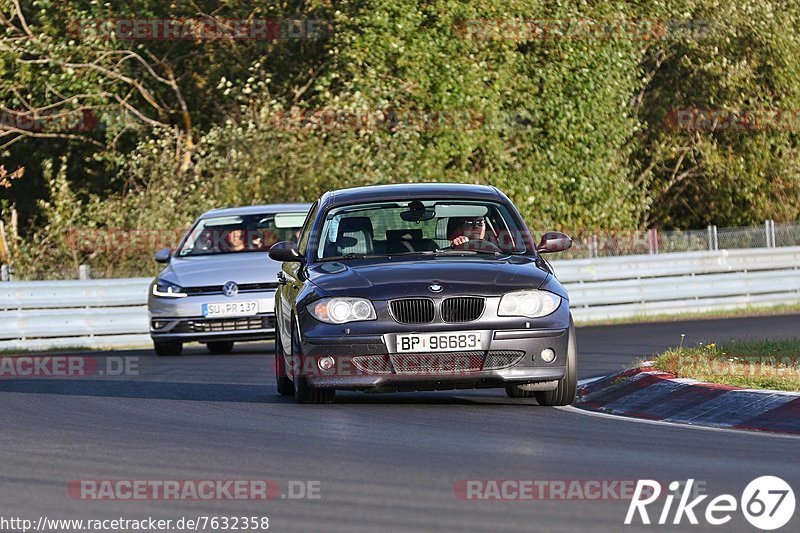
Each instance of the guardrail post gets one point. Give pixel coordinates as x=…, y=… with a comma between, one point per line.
x=593, y=246
x=83, y=272
x=713, y=242
x=772, y=233
x=652, y=240
x=5, y=273
x=766, y=232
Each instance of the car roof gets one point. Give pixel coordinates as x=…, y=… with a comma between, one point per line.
x=257, y=209
x=410, y=191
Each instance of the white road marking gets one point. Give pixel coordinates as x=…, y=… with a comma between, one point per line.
x=573, y=409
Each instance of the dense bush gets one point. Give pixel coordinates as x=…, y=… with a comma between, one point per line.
x=578, y=129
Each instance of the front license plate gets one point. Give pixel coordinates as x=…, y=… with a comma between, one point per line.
x=453, y=341
x=230, y=309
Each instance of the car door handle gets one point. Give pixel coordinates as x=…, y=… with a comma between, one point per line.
x=281, y=278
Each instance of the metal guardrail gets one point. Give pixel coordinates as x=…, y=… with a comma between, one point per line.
x=98, y=313
x=690, y=282
x=39, y=315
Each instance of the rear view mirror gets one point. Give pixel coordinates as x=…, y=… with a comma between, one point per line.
x=285, y=251
x=163, y=255
x=554, y=241
x=417, y=212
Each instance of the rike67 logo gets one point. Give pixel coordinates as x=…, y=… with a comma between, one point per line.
x=767, y=503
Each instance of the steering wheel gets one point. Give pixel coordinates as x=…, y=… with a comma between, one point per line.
x=476, y=244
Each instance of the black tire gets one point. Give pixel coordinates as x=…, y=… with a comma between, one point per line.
x=282, y=381
x=303, y=392
x=168, y=347
x=564, y=394
x=220, y=347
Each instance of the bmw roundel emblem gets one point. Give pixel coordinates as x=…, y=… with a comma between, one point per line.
x=230, y=289
x=435, y=288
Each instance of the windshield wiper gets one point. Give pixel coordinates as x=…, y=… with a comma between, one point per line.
x=437, y=252
x=416, y=252
x=351, y=255
x=467, y=252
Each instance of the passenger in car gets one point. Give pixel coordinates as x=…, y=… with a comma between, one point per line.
x=235, y=240
x=264, y=239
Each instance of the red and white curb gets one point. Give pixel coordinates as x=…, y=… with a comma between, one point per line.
x=655, y=395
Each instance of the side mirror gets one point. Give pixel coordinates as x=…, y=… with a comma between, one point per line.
x=285, y=251
x=163, y=255
x=553, y=241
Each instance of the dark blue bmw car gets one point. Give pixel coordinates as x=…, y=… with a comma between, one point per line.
x=421, y=287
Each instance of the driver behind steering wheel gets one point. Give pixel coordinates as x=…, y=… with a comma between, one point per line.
x=461, y=230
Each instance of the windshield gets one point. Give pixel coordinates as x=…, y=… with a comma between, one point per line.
x=420, y=227
x=244, y=233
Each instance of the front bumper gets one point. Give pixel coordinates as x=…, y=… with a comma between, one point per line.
x=181, y=319
x=201, y=329
x=517, y=342
x=507, y=357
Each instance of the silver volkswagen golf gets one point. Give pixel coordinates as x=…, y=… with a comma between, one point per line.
x=219, y=285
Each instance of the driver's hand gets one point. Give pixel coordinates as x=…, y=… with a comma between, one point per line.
x=461, y=239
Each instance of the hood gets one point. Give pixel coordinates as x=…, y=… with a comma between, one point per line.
x=201, y=271
x=386, y=279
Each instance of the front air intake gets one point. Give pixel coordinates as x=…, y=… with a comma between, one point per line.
x=462, y=309
x=412, y=310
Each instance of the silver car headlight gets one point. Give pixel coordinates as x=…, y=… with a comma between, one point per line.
x=165, y=289
x=342, y=310
x=531, y=304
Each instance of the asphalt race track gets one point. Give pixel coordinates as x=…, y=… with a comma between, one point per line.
x=384, y=462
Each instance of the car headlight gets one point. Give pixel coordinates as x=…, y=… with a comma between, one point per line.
x=532, y=304
x=165, y=289
x=341, y=310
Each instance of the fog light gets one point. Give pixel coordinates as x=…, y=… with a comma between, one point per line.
x=326, y=363
x=157, y=324
x=548, y=355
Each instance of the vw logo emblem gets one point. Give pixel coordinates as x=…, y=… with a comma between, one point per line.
x=230, y=289
x=435, y=288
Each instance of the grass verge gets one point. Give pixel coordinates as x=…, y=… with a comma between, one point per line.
x=749, y=311
x=750, y=364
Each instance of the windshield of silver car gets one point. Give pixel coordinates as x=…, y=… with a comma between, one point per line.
x=241, y=233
